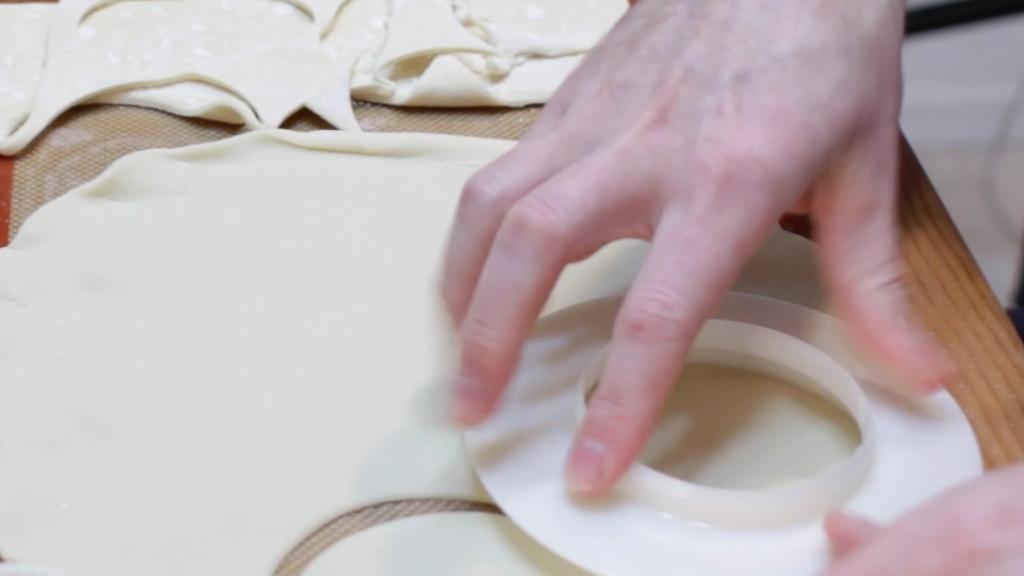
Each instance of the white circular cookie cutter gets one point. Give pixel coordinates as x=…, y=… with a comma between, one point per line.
x=765, y=351
x=656, y=524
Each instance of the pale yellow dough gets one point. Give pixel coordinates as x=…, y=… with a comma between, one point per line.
x=254, y=62
x=265, y=53
x=23, y=31
x=22, y=51
x=210, y=351
x=529, y=47
x=218, y=348
x=734, y=428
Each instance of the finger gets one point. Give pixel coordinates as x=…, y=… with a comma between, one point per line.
x=695, y=256
x=973, y=529
x=856, y=222
x=572, y=214
x=1010, y=563
x=847, y=533
x=485, y=199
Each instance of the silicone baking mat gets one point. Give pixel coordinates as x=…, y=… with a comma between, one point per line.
x=84, y=141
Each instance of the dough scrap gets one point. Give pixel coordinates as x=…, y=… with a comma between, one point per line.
x=534, y=46
x=549, y=28
x=449, y=544
x=266, y=53
x=22, y=51
x=23, y=31
x=254, y=62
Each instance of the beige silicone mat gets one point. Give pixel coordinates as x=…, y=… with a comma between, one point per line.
x=84, y=141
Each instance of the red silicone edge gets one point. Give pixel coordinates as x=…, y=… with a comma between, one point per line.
x=6, y=186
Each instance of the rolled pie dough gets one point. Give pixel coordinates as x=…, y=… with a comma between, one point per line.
x=209, y=352
x=255, y=62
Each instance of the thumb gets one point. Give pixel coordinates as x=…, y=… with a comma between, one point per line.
x=846, y=532
x=855, y=212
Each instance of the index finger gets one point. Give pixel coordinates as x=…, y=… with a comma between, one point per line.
x=694, y=259
x=572, y=213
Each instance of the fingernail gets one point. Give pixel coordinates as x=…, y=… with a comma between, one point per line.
x=586, y=468
x=471, y=404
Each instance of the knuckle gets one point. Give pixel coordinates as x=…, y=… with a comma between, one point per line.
x=481, y=341
x=734, y=173
x=485, y=190
x=535, y=221
x=662, y=117
x=626, y=414
x=619, y=409
x=655, y=316
x=881, y=276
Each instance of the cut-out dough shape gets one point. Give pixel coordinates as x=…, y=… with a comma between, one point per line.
x=550, y=28
x=23, y=31
x=254, y=62
x=424, y=29
x=209, y=351
x=22, y=51
x=449, y=544
x=526, y=57
x=188, y=99
x=266, y=53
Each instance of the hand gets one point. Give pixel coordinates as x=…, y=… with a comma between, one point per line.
x=695, y=124
x=975, y=530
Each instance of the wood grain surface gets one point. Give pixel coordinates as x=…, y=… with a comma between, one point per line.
x=951, y=298
x=955, y=302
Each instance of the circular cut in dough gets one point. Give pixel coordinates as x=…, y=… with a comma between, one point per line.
x=922, y=449
x=449, y=544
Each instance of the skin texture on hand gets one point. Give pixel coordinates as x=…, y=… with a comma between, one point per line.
x=695, y=124
x=974, y=530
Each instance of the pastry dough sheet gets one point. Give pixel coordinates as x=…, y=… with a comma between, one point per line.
x=210, y=334
x=238, y=339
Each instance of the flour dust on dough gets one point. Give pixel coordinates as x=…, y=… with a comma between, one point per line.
x=255, y=62
x=265, y=53
x=22, y=51
x=480, y=52
x=449, y=544
x=23, y=34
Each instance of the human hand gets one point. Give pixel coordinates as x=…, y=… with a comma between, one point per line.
x=695, y=124
x=974, y=530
